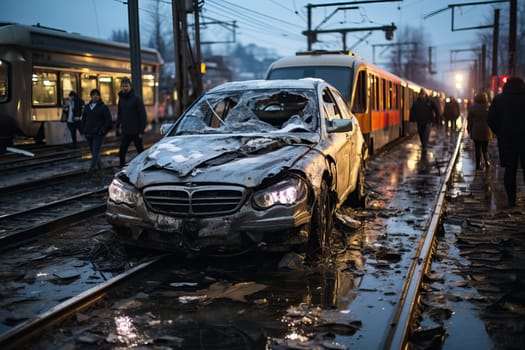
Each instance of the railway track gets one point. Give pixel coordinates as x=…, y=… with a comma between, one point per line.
x=22, y=334
x=22, y=225
x=258, y=304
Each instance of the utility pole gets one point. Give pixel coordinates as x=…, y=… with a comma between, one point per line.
x=495, y=26
x=134, y=46
x=513, y=8
x=311, y=34
x=495, y=38
x=187, y=62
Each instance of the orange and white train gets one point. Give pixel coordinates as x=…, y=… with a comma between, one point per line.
x=380, y=100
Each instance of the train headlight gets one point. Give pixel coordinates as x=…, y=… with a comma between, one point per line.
x=121, y=192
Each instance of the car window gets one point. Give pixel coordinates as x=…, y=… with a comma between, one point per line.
x=345, y=112
x=331, y=109
x=253, y=111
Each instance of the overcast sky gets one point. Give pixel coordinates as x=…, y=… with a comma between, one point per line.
x=275, y=24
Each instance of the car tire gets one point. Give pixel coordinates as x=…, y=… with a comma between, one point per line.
x=357, y=199
x=318, y=245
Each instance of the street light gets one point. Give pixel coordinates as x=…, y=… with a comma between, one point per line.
x=459, y=82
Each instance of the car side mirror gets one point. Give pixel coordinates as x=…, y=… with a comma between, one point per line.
x=340, y=125
x=164, y=128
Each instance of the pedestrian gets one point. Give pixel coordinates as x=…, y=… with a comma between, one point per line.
x=424, y=112
x=506, y=118
x=96, y=122
x=451, y=112
x=131, y=120
x=478, y=128
x=73, y=115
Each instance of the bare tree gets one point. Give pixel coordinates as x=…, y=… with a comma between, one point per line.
x=408, y=57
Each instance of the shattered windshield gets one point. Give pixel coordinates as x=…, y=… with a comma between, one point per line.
x=253, y=111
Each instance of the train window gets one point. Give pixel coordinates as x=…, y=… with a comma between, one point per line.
x=106, y=89
x=148, y=89
x=4, y=81
x=360, y=94
x=68, y=83
x=88, y=82
x=386, y=94
x=337, y=76
x=44, y=89
x=379, y=88
x=393, y=93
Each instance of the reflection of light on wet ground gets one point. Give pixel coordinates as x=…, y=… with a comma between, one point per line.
x=413, y=158
x=126, y=330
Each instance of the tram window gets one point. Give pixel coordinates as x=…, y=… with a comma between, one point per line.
x=386, y=94
x=148, y=89
x=379, y=93
x=337, y=76
x=4, y=81
x=68, y=83
x=389, y=85
x=359, y=105
x=44, y=89
x=393, y=93
x=87, y=83
x=105, y=87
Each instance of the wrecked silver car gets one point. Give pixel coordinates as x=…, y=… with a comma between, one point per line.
x=250, y=165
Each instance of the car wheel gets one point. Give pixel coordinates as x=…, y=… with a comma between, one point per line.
x=318, y=245
x=357, y=199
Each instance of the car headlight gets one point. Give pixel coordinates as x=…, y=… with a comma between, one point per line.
x=121, y=192
x=287, y=192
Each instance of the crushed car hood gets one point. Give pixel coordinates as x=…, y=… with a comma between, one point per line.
x=239, y=159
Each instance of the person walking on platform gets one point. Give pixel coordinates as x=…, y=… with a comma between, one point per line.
x=451, y=112
x=131, y=120
x=96, y=122
x=424, y=112
x=74, y=115
x=478, y=128
x=506, y=118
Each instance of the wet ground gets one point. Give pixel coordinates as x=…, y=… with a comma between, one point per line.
x=277, y=300
x=477, y=288
x=473, y=294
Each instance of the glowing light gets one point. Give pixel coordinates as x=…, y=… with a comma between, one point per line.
x=126, y=332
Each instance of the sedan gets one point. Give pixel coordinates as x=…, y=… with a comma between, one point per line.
x=252, y=165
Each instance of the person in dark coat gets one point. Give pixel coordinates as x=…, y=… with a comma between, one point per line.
x=424, y=112
x=451, y=112
x=506, y=118
x=478, y=128
x=96, y=122
x=74, y=116
x=131, y=120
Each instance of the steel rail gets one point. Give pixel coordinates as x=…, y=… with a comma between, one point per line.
x=21, y=334
x=8, y=239
x=397, y=335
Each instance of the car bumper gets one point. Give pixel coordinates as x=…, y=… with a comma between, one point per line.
x=275, y=229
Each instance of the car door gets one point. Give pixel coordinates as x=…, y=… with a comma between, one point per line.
x=354, y=151
x=339, y=145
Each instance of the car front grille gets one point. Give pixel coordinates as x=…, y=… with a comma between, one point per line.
x=194, y=201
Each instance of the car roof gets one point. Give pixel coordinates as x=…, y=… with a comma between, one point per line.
x=306, y=83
